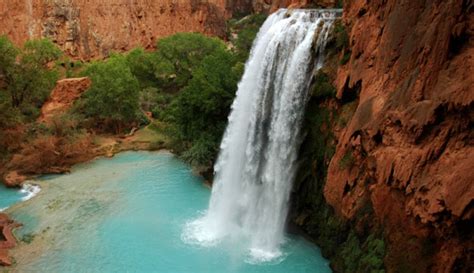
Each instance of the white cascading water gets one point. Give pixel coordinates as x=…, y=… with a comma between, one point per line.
x=257, y=161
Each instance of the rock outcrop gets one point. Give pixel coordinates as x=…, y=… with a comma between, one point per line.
x=410, y=141
x=13, y=179
x=64, y=94
x=7, y=240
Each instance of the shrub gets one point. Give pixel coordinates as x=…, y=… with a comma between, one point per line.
x=323, y=87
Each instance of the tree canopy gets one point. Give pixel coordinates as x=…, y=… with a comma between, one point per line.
x=113, y=98
x=25, y=77
x=177, y=56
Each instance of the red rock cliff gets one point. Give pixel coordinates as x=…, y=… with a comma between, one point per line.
x=92, y=28
x=410, y=139
x=87, y=29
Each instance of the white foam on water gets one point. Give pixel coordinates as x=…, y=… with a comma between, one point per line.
x=29, y=191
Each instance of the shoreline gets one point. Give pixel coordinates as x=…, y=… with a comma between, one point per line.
x=111, y=145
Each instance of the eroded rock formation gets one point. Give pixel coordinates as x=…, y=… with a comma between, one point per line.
x=7, y=240
x=410, y=142
x=89, y=29
x=64, y=94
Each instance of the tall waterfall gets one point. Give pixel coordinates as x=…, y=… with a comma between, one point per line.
x=257, y=161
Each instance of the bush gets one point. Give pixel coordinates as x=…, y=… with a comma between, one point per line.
x=202, y=152
x=323, y=87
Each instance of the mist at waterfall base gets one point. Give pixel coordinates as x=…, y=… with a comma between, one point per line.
x=126, y=214
x=257, y=161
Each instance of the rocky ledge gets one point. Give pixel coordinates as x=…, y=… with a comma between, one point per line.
x=7, y=240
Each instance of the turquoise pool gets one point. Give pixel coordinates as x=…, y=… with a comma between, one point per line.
x=127, y=214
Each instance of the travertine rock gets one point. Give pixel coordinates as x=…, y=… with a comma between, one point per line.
x=413, y=64
x=90, y=29
x=64, y=94
x=87, y=29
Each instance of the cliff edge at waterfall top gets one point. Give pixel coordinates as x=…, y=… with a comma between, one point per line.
x=237, y=136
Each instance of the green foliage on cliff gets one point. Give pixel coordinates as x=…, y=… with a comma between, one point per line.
x=322, y=86
x=363, y=256
x=342, y=42
x=112, y=102
x=242, y=33
x=25, y=79
x=349, y=251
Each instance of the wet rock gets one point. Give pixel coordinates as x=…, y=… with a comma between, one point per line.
x=7, y=240
x=412, y=125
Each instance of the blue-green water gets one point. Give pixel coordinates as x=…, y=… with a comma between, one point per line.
x=127, y=214
x=10, y=197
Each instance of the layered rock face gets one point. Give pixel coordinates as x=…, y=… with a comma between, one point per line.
x=87, y=29
x=410, y=143
x=272, y=5
x=90, y=29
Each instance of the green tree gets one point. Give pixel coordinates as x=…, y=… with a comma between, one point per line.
x=141, y=65
x=113, y=98
x=177, y=57
x=32, y=80
x=24, y=74
x=8, y=54
x=200, y=111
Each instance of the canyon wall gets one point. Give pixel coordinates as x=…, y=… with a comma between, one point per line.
x=90, y=29
x=86, y=29
x=408, y=150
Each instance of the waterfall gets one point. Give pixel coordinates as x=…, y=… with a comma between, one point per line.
x=257, y=161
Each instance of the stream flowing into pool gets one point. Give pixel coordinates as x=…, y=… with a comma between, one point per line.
x=126, y=214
